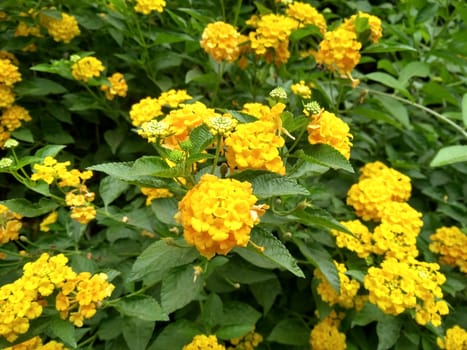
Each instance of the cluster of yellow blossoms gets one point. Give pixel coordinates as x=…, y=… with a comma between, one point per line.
x=248, y=342
x=325, y=335
x=301, y=89
x=204, y=342
x=326, y=128
x=78, y=198
x=10, y=224
x=11, y=115
x=450, y=243
x=222, y=41
x=86, y=68
x=218, y=214
x=36, y=344
x=78, y=295
x=456, y=338
x=117, y=86
x=147, y=6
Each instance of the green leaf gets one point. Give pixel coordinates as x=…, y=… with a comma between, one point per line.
x=137, y=333
x=388, y=330
x=414, y=69
x=388, y=47
x=320, y=258
x=175, y=335
x=290, y=332
x=142, y=307
x=200, y=138
x=318, y=217
x=390, y=81
x=324, y=155
x=266, y=292
x=237, y=320
x=39, y=87
x=271, y=185
x=110, y=328
x=49, y=150
x=275, y=254
x=396, y=109
x=212, y=311
x=165, y=209
x=160, y=257
x=308, y=30
x=449, y=155
x=171, y=37
x=153, y=166
x=64, y=330
x=464, y=109
x=370, y=313
x=179, y=288
x=110, y=188
x=28, y=209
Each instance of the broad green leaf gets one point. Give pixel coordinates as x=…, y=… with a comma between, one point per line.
x=374, y=114
x=324, y=155
x=271, y=185
x=180, y=287
x=160, y=257
x=414, y=69
x=23, y=134
x=171, y=37
x=241, y=271
x=427, y=12
x=110, y=188
x=28, y=209
x=308, y=30
x=238, y=319
x=449, y=155
x=141, y=306
x=464, y=109
x=64, y=330
x=320, y=258
x=49, y=150
x=39, y=87
x=153, y=166
x=165, y=209
x=438, y=93
x=396, y=109
x=318, y=217
x=388, y=330
x=110, y=328
x=175, y=335
x=212, y=311
x=370, y=313
x=137, y=333
x=382, y=47
x=200, y=138
x=290, y=332
x=274, y=255
x=390, y=81
x=266, y=292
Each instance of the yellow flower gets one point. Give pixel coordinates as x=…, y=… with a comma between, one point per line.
x=12, y=116
x=145, y=110
x=48, y=220
x=376, y=31
x=326, y=128
x=249, y=341
x=339, y=51
x=455, y=339
x=306, y=14
x=10, y=224
x=450, y=243
x=218, y=214
x=154, y=193
x=7, y=96
x=221, y=41
x=147, y=6
x=173, y=98
x=360, y=241
x=83, y=214
x=301, y=89
x=117, y=87
x=204, y=342
x=64, y=29
x=154, y=130
x=87, y=68
x=221, y=124
x=9, y=73
x=326, y=336
x=255, y=146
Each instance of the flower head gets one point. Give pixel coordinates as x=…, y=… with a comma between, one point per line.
x=9, y=73
x=87, y=68
x=221, y=124
x=117, y=86
x=450, y=243
x=64, y=29
x=221, y=40
x=204, y=342
x=147, y=6
x=325, y=335
x=306, y=14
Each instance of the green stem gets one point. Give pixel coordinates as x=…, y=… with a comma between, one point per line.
x=423, y=108
x=297, y=140
x=218, y=152
x=237, y=12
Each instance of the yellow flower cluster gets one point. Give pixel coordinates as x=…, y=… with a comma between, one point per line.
x=400, y=285
x=360, y=241
x=450, y=243
x=326, y=336
x=218, y=214
x=306, y=14
x=248, y=342
x=270, y=39
x=456, y=338
x=345, y=297
x=150, y=108
x=10, y=120
x=221, y=125
x=23, y=299
x=36, y=344
x=378, y=185
x=255, y=146
x=117, y=86
x=64, y=29
x=79, y=198
x=222, y=41
x=376, y=31
x=154, y=193
x=147, y=6
x=301, y=89
x=204, y=342
x=47, y=221
x=87, y=68
x=10, y=224
x=326, y=128
x=9, y=74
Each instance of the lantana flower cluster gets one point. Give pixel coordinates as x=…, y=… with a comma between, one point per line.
x=78, y=295
x=37, y=344
x=10, y=225
x=325, y=334
x=146, y=7
x=77, y=195
x=204, y=342
x=450, y=243
x=455, y=338
x=249, y=341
